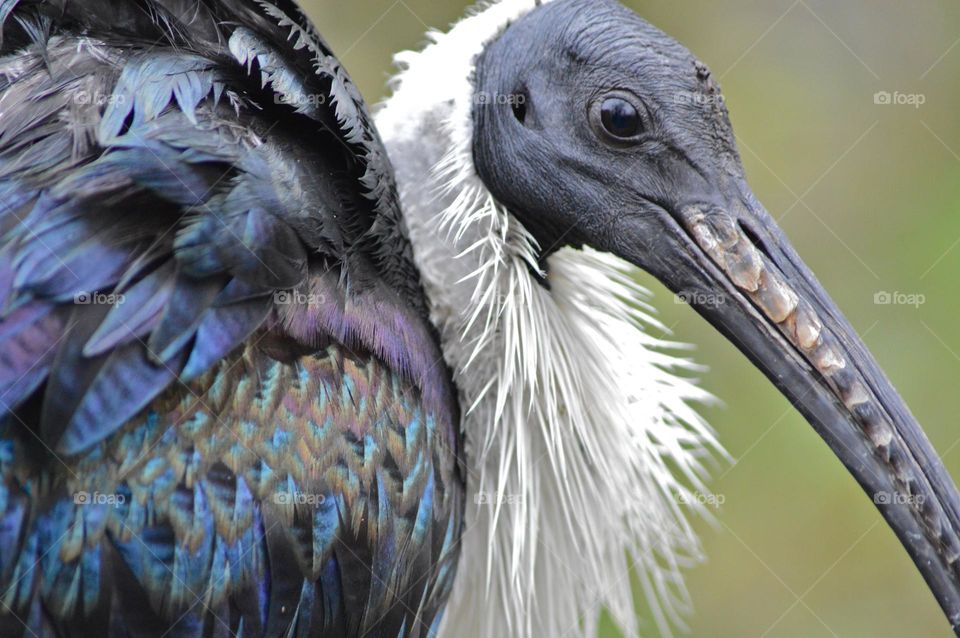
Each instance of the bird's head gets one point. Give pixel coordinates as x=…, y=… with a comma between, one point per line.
x=590, y=125
x=594, y=128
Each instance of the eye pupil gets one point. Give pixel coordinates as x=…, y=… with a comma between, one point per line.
x=619, y=117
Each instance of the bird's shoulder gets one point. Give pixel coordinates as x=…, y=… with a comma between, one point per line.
x=176, y=177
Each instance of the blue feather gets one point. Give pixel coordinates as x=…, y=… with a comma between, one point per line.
x=148, y=84
x=128, y=381
x=182, y=316
x=221, y=330
x=136, y=315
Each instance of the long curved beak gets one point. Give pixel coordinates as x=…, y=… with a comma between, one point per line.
x=763, y=298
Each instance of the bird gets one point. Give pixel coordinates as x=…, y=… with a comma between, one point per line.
x=275, y=366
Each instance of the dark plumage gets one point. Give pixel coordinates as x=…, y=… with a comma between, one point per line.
x=225, y=409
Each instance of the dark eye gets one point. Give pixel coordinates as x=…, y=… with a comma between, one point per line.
x=619, y=117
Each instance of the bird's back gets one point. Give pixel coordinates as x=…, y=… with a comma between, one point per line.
x=224, y=409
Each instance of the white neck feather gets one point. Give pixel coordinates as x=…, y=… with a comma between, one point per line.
x=581, y=443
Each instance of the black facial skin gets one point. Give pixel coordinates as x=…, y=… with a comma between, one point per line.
x=566, y=178
x=568, y=164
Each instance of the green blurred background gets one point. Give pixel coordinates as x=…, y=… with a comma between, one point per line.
x=870, y=195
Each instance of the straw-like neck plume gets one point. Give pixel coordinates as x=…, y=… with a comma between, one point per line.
x=582, y=446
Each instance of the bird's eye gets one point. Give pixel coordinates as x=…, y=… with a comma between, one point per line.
x=620, y=118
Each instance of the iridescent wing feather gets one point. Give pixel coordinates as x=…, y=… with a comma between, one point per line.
x=224, y=409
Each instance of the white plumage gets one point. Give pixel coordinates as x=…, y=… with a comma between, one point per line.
x=582, y=443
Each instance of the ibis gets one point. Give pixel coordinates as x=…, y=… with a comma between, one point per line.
x=275, y=366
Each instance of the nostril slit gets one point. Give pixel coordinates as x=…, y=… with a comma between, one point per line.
x=519, y=105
